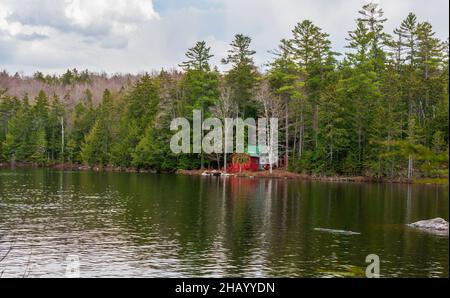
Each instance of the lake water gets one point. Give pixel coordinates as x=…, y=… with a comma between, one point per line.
x=143, y=225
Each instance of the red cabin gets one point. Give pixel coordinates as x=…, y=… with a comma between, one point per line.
x=253, y=160
x=243, y=162
x=250, y=161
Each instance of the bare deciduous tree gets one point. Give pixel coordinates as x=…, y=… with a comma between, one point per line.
x=273, y=107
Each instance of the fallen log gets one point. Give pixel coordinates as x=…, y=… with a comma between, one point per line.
x=341, y=232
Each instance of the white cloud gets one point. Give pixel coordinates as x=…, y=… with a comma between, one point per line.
x=100, y=18
x=268, y=21
x=121, y=16
x=135, y=35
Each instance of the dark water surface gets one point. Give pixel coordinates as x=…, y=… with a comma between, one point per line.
x=139, y=225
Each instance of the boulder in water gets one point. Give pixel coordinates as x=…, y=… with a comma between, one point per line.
x=437, y=225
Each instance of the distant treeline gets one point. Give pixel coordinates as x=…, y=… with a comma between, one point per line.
x=69, y=87
x=380, y=109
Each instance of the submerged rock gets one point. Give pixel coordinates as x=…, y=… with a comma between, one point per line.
x=342, y=232
x=437, y=226
x=342, y=271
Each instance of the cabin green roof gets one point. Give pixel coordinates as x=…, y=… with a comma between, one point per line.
x=254, y=151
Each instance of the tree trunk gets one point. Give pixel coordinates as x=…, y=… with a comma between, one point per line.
x=410, y=167
x=269, y=130
x=287, y=135
x=294, y=148
x=225, y=162
x=359, y=147
x=62, y=139
x=331, y=150
x=316, y=125
x=201, y=141
x=302, y=132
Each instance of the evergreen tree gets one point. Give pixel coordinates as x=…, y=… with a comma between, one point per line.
x=9, y=106
x=429, y=60
x=153, y=151
x=84, y=117
x=97, y=144
x=55, y=129
x=39, y=148
x=198, y=57
x=311, y=50
x=140, y=110
x=372, y=16
x=243, y=75
x=381, y=111
x=284, y=78
x=359, y=86
x=200, y=85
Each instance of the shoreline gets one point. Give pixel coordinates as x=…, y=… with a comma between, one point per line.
x=277, y=174
x=72, y=167
x=280, y=174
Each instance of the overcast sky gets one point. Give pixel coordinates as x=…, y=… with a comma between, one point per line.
x=143, y=35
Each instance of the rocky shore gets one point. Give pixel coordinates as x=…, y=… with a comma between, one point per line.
x=276, y=174
x=281, y=174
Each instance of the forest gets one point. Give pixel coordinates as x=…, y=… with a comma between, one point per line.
x=378, y=110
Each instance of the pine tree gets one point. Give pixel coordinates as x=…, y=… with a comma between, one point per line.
x=284, y=78
x=39, y=149
x=140, y=110
x=429, y=59
x=96, y=148
x=37, y=141
x=386, y=127
x=153, y=151
x=198, y=57
x=84, y=118
x=26, y=138
x=359, y=86
x=9, y=106
x=200, y=84
x=311, y=50
x=41, y=110
x=55, y=127
x=18, y=127
x=242, y=76
x=372, y=16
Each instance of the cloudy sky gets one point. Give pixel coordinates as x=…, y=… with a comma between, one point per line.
x=144, y=35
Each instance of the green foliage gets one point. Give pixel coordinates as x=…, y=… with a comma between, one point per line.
x=242, y=77
x=201, y=91
x=198, y=57
x=381, y=111
x=26, y=137
x=303, y=164
x=54, y=130
x=18, y=133
x=38, y=153
x=97, y=144
x=140, y=110
x=9, y=106
x=84, y=117
x=153, y=151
